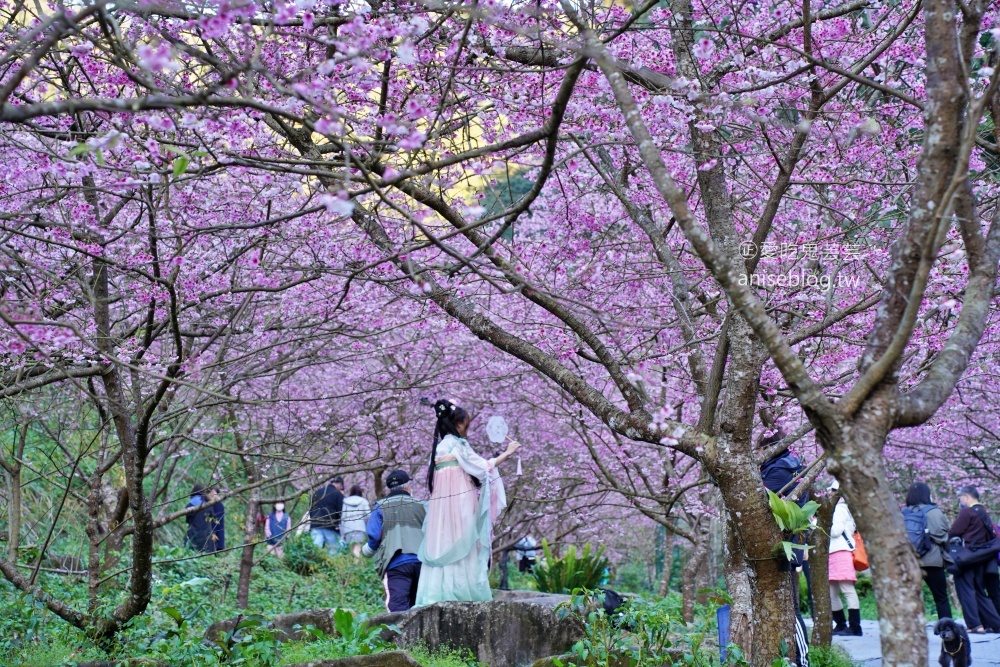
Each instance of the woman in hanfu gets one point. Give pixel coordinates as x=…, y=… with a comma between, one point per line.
x=467, y=495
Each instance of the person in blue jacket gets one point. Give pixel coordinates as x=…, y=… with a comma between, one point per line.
x=779, y=471
x=395, y=531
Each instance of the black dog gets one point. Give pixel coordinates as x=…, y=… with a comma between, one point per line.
x=614, y=606
x=955, y=649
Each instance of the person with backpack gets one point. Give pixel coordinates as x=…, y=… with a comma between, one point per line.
x=927, y=528
x=974, y=527
x=841, y=571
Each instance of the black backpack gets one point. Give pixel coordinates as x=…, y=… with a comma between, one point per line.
x=915, y=519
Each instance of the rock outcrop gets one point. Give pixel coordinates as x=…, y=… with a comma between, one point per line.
x=501, y=633
x=514, y=630
x=283, y=625
x=387, y=659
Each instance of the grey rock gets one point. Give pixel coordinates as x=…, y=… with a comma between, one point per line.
x=500, y=633
x=283, y=625
x=387, y=659
x=534, y=597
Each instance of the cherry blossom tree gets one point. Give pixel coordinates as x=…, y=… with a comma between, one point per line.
x=739, y=218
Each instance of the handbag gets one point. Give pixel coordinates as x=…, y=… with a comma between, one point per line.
x=860, y=554
x=974, y=554
x=977, y=553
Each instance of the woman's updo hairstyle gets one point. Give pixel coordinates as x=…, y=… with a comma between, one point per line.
x=448, y=416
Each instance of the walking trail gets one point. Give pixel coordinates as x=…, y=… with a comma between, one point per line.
x=866, y=649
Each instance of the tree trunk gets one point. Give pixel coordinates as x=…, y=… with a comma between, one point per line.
x=252, y=473
x=819, y=569
x=738, y=586
x=95, y=535
x=133, y=461
x=13, y=469
x=668, y=563
x=689, y=587
x=249, y=544
x=759, y=582
x=379, y=484
x=898, y=581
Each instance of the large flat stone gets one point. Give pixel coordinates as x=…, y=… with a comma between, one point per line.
x=387, y=659
x=500, y=633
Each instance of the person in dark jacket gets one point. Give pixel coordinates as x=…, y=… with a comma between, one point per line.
x=199, y=532
x=973, y=526
x=918, y=500
x=217, y=519
x=780, y=471
x=395, y=531
x=324, y=514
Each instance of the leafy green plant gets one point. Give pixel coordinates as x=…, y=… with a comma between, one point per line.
x=792, y=520
x=637, y=635
x=830, y=656
x=179, y=643
x=354, y=635
x=303, y=557
x=444, y=657
x=570, y=572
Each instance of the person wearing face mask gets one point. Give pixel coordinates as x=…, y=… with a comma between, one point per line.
x=276, y=529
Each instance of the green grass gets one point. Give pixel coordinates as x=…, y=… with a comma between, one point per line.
x=202, y=589
x=832, y=656
x=295, y=652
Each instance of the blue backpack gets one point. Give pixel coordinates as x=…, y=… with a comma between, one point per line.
x=915, y=519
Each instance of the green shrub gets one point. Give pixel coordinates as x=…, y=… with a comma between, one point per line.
x=640, y=634
x=354, y=637
x=444, y=657
x=800, y=578
x=605, y=640
x=303, y=557
x=571, y=571
x=830, y=656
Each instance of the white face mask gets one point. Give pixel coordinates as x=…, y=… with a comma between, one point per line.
x=279, y=508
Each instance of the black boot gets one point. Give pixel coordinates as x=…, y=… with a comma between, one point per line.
x=840, y=622
x=854, y=622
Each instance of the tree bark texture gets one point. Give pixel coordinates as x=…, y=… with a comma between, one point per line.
x=819, y=569
x=249, y=544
